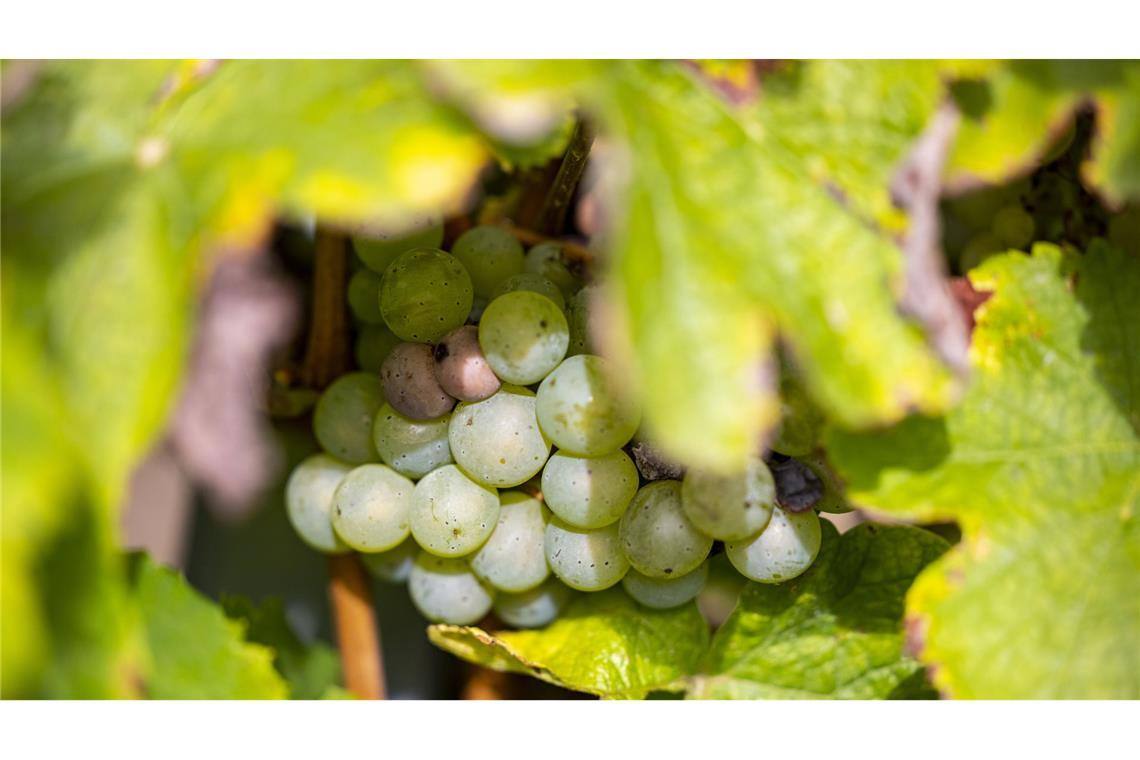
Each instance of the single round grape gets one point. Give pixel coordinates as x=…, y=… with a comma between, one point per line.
x=578, y=318
x=581, y=409
x=426, y=293
x=658, y=538
x=513, y=559
x=452, y=515
x=535, y=608
x=446, y=591
x=460, y=367
x=371, y=508
x=662, y=594
x=589, y=492
x=782, y=551
x=546, y=259
x=730, y=507
x=588, y=560
x=364, y=297
x=490, y=254
x=412, y=448
x=373, y=344
x=394, y=565
x=524, y=336
x=410, y=385
x=342, y=419
x=1013, y=226
x=497, y=441
x=308, y=501
x=378, y=244
x=533, y=283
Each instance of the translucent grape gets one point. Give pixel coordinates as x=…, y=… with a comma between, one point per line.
x=663, y=594
x=452, y=515
x=412, y=448
x=658, y=538
x=410, y=384
x=588, y=560
x=394, y=565
x=524, y=336
x=308, y=501
x=589, y=492
x=490, y=254
x=446, y=591
x=373, y=344
x=497, y=441
x=426, y=293
x=578, y=318
x=784, y=550
x=364, y=297
x=546, y=259
x=535, y=608
x=342, y=419
x=581, y=409
x=730, y=507
x=371, y=508
x=461, y=368
x=513, y=559
x=533, y=283
x=378, y=243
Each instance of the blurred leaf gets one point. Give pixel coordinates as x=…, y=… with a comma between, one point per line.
x=196, y=652
x=836, y=631
x=604, y=644
x=1041, y=466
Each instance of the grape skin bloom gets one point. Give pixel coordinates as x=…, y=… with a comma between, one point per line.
x=412, y=448
x=371, y=508
x=587, y=560
x=513, y=559
x=589, y=492
x=342, y=419
x=581, y=409
x=446, y=591
x=730, y=507
x=659, y=594
x=784, y=550
x=452, y=515
x=523, y=336
x=308, y=501
x=535, y=608
x=658, y=538
x=425, y=294
x=497, y=441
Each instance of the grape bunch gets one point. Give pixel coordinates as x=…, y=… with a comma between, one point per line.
x=482, y=453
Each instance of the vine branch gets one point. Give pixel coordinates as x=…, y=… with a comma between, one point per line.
x=553, y=216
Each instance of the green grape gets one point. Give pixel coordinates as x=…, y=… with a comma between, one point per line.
x=546, y=259
x=342, y=419
x=581, y=409
x=425, y=294
x=587, y=560
x=730, y=507
x=535, y=608
x=373, y=344
x=1013, y=226
x=452, y=515
x=371, y=508
x=784, y=550
x=578, y=317
x=446, y=591
x=658, y=538
x=497, y=441
x=364, y=297
x=308, y=501
x=523, y=336
x=378, y=244
x=412, y=448
x=490, y=254
x=661, y=594
x=513, y=559
x=533, y=283
x=589, y=492
x=394, y=565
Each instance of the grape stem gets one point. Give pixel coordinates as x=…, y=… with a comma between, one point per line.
x=557, y=202
x=327, y=356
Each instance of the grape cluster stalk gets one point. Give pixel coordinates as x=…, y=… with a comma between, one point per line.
x=481, y=451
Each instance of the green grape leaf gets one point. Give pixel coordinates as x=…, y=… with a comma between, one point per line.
x=311, y=670
x=1041, y=466
x=603, y=644
x=836, y=631
x=196, y=652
